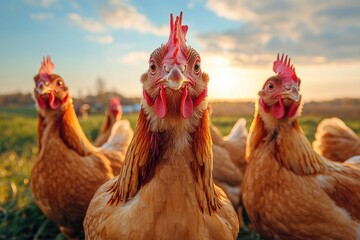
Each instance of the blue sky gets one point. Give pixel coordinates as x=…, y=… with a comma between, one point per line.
x=237, y=39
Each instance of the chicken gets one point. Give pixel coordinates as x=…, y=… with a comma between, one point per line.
x=113, y=114
x=288, y=190
x=69, y=169
x=229, y=159
x=335, y=140
x=115, y=133
x=165, y=189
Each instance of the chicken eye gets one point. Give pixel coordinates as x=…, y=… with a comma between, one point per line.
x=270, y=86
x=59, y=83
x=197, y=67
x=152, y=67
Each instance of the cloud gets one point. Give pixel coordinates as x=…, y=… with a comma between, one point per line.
x=41, y=16
x=309, y=31
x=121, y=15
x=191, y=5
x=107, y=39
x=136, y=58
x=234, y=11
x=42, y=3
x=89, y=25
x=74, y=4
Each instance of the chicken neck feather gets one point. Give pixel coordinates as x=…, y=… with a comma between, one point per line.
x=149, y=148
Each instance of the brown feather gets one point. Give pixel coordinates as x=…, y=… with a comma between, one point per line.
x=41, y=126
x=72, y=134
x=171, y=195
x=290, y=192
x=140, y=162
x=335, y=140
x=202, y=167
x=256, y=134
x=69, y=169
x=104, y=132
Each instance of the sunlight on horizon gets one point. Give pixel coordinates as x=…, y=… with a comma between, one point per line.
x=229, y=82
x=319, y=82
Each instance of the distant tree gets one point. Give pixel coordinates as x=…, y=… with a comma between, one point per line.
x=16, y=98
x=80, y=94
x=100, y=85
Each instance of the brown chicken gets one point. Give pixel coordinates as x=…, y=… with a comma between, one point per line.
x=115, y=133
x=69, y=169
x=113, y=114
x=229, y=159
x=289, y=191
x=165, y=189
x=335, y=140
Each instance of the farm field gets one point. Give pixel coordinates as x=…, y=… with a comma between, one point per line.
x=20, y=218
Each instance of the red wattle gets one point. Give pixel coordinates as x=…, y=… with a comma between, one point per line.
x=54, y=102
x=41, y=102
x=147, y=98
x=64, y=100
x=200, y=98
x=278, y=109
x=187, y=105
x=160, y=103
x=115, y=112
x=264, y=106
x=292, y=110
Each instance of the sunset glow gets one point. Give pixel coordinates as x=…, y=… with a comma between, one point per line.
x=226, y=81
x=237, y=40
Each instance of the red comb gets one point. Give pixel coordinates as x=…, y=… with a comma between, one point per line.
x=177, y=38
x=46, y=69
x=115, y=101
x=177, y=30
x=47, y=66
x=283, y=68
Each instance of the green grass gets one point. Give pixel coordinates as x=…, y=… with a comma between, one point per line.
x=20, y=218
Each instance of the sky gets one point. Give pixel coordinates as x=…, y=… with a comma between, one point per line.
x=238, y=41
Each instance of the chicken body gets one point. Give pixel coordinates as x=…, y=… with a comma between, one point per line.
x=120, y=137
x=115, y=127
x=69, y=169
x=335, y=140
x=289, y=191
x=165, y=189
x=229, y=159
x=167, y=207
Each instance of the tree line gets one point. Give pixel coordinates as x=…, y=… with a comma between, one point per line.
x=100, y=99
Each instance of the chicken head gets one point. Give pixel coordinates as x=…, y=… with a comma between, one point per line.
x=50, y=90
x=115, y=106
x=174, y=76
x=280, y=94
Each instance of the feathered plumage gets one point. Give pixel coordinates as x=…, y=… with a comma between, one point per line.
x=165, y=188
x=289, y=191
x=335, y=140
x=115, y=133
x=69, y=169
x=229, y=159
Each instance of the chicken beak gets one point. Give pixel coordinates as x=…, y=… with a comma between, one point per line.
x=43, y=88
x=291, y=92
x=174, y=79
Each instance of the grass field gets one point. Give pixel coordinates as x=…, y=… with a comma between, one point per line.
x=20, y=218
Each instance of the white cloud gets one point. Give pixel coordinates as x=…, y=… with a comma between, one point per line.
x=41, y=16
x=232, y=10
x=191, y=5
x=121, y=15
x=136, y=58
x=107, y=39
x=311, y=31
x=89, y=25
